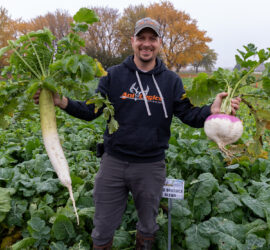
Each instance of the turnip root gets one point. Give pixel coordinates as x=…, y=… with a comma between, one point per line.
x=223, y=129
x=52, y=142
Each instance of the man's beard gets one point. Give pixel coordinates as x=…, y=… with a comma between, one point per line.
x=146, y=60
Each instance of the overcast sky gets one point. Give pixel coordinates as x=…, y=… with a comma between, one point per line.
x=230, y=23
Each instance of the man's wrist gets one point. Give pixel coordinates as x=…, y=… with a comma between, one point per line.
x=214, y=109
x=64, y=103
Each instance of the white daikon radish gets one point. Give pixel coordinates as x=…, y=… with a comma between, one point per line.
x=52, y=142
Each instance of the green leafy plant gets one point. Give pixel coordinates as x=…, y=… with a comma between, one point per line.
x=253, y=89
x=219, y=197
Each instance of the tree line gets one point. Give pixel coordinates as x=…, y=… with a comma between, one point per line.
x=108, y=40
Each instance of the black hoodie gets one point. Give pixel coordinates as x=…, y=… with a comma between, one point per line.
x=144, y=104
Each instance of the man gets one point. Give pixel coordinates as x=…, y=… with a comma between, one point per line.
x=145, y=96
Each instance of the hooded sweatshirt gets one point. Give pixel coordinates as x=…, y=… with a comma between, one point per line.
x=144, y=104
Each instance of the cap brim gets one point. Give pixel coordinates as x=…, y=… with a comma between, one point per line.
x=144, y=27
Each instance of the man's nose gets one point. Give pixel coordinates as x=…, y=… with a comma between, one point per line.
x=147, y=42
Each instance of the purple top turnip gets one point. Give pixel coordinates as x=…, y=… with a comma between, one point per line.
x=223, y=129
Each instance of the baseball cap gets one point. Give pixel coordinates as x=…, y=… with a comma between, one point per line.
x=147, y=22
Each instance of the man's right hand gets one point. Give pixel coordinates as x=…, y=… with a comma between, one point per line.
x=61, y=103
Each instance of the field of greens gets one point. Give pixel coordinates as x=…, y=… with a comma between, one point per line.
x=226, y=205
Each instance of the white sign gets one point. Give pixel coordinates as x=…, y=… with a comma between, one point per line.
x=173, y=189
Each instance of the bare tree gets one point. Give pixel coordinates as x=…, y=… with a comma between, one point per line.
x=101, y=39
x=58, y=23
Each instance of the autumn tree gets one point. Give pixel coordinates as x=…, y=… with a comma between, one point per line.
x=6, y=32
x=183, y=42
x=208, y=61
x=58, y=22
x=101, y=40
x=22, y=27
x=126, y=27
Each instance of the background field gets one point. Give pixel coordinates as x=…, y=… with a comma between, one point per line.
x=226, y=205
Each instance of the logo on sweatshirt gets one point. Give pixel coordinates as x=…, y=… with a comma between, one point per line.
x=136, y=94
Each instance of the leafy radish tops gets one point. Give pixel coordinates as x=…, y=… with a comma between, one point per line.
x=225, y=129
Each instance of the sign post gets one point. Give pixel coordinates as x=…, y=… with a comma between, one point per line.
x=172, y=189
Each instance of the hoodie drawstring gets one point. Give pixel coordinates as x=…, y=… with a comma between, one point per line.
x=144, y=96
x=161, y=96
x=145, y=99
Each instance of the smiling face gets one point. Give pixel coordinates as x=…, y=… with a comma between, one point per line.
x=146, y=46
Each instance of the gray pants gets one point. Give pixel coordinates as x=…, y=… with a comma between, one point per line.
x=113, y=182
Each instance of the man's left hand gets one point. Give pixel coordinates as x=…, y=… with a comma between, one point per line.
x=215, y=107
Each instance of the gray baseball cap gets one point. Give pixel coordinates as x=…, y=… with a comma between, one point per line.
x=147, y=22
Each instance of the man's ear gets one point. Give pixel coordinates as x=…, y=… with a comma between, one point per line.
x=160, y=40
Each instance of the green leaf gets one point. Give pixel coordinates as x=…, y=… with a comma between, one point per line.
x=254, y=148
x=81, y=245
x=71, y=63
x=226, y=201
x=106, y=113
x=113, y=125
x=236, y=215
x=254, y=205
x=205, y=185
x=4, y=50
x=18, y=208
x=50, y=84
x=32, y=89
x=6, y=174
x=266, y=85
x=202, y=211
x=57, y=65
x=36, y=224
x=87, y=68
x=256, y=226
x=23, y=244
x=238, y=60
x=180, y=209
x=263, y=55
x=161, y=240
x=85, y=15
x=63, y=228
x=44, y=34
x=263, y=114
x=79, y=27
x=87, y=212
x=254, y=242
x=226, y=234
x=5, y=201
x=194, y=239
x=235, y=181
x=263, y=194
x=58, y=246
x=49, y=186
x=203, y=88
x=121, y=239
x=181, y=215
x=203, y=163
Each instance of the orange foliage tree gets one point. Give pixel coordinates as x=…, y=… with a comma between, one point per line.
x=6, y=32
x=183, y=42
x=126, y=25
x=21, y=27
x=109, y=39
x=58, y=22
